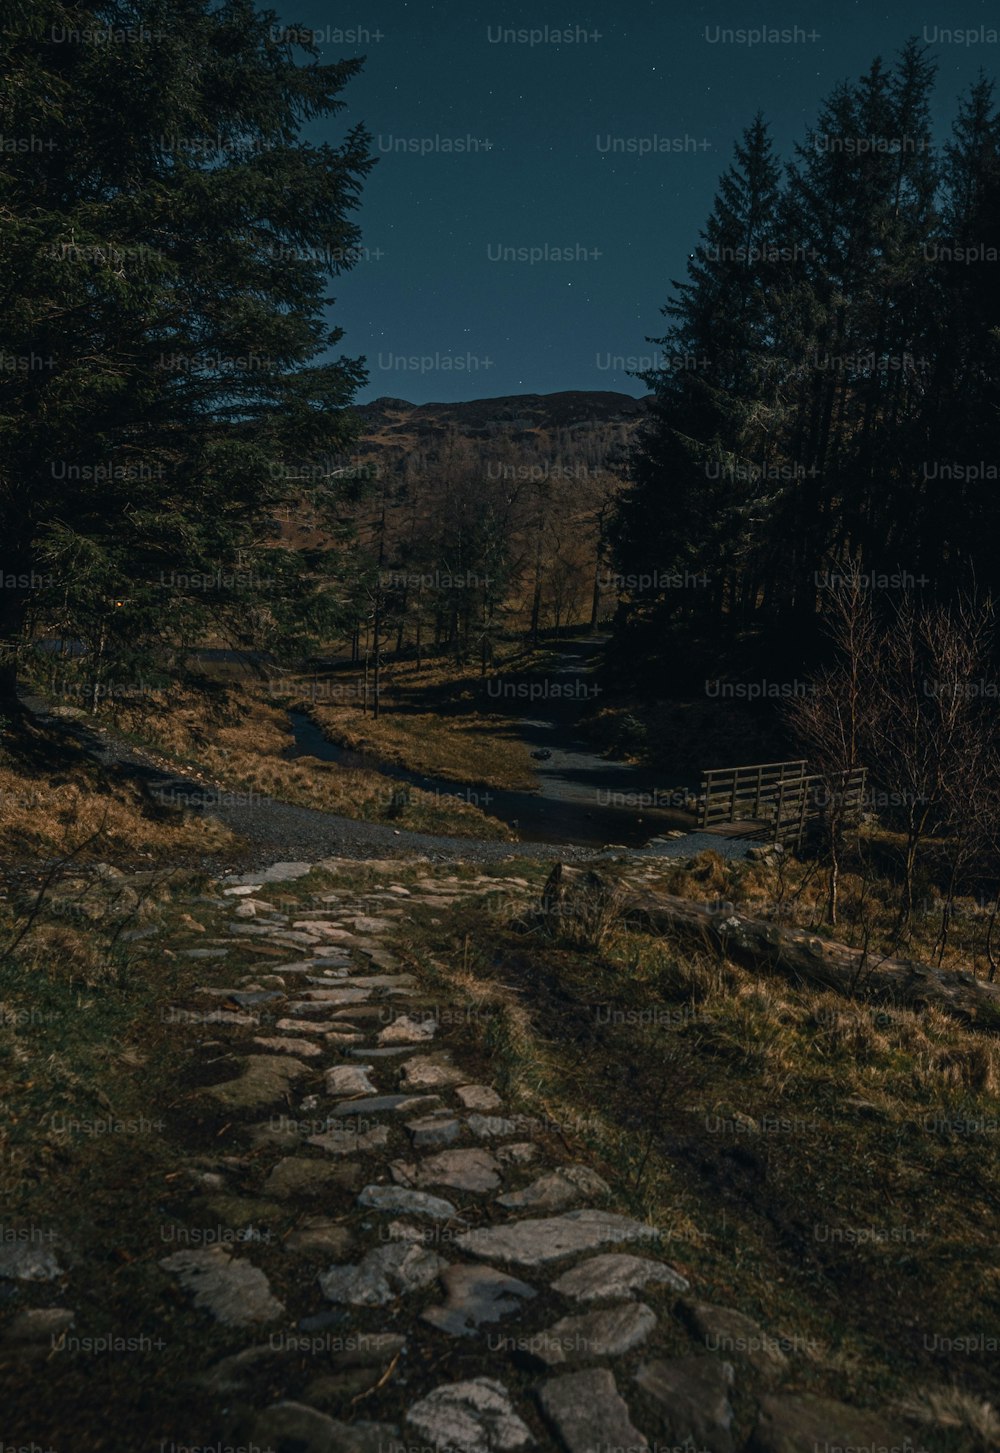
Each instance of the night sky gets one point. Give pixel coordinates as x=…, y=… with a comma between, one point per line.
x=543, y=125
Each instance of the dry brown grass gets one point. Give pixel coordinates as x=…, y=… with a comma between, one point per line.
x=472, y=748
x=42, y=816
x=239, y=739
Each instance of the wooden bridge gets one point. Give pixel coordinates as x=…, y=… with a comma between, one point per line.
x=777, y=800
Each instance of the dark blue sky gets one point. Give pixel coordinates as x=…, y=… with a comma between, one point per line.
x=539, y=121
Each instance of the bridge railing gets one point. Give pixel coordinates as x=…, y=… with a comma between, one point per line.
x=781, y=799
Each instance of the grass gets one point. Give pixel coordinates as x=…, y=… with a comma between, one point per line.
x=56, y=802
x=778, y=1138
x=457, y=740
x=239, y=738
x=795, y=893
x=828, y=1170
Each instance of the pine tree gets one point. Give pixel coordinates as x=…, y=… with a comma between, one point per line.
x=166, y=238
x=698, y=477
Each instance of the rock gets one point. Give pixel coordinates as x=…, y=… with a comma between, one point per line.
x=295, y=1026
x=232, y=1291
x=434, y=1130
x=38, y=1324
x=470, y=1417
x=276, y=1045
x=737, y=1337
x=377, y=1104
x=559, y=1188
x=589, y=1413
x=328, y=997
x=350, y=1080
x=521, y=1152
x=793, y=1424
x=365, y=925
x=295, y=1428
x=276, y=873
x=406, y=1030
x=351, y=1140
x=533, y=1243
x=300, y=1176
x=463, y=1170
x=27, y=1261
x=407, y=1202
x=239, y=1371
x=265, y=1079
x=609, y=1332
x=693, y=1393
x=319, y=1236
x=429, y=1072
x=616, y=1274
x=490, y=1127
x=382, y=1275
x=479, y=1097
x=476, y=1294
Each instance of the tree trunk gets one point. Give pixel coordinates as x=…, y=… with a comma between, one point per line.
x=794, y=952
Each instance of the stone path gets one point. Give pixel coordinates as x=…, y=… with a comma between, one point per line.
x=455, y=1285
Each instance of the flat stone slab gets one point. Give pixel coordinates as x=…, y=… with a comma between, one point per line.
x=366, y=925
x=27, y=1260
x=265, y=1079
x=379, y=1104
x=384, y=981
x=589, y=1414
x=296, y=1425
x=476, y=1294
x=320, y=1237
x=566, y=1186
x=367, y=1052
x=306, y=1007
x=609, y=1332
x=232, y=1291
x=491, y=1127
x=278, y=1045
x=462, y=1170
x=482, y=1098
x=693, y=1394
x=737, y=1337
x=349, y=1080
x=790, y=1424
x=407, y=1030
x=383, y=1275
x=336, y=996
x=351, y=1140
x=470, y=1417
x=38, y=1324
x=400, y=1200
x=434, y=1130
x=429, y=1072
x=301, y=1176
x=616, y=1274
x=534, y=1243
x=520, y=1152
x=276, y=873
x=295, y=1026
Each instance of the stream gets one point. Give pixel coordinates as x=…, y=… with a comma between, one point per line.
x=582, y=798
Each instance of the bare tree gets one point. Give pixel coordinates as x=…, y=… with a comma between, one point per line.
x=835, y=718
